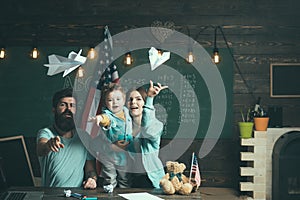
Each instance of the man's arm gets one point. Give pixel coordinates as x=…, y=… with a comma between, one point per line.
x=90, y=174
x=44, y=146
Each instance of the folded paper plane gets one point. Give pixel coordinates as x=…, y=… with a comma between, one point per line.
x=59, y=64
x=155, y=59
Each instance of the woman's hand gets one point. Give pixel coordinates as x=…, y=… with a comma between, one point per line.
x=154, y=90
x=119, y=145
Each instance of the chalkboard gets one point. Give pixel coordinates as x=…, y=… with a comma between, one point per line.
x=285, y=80
x=177, y=109
x=27, y=91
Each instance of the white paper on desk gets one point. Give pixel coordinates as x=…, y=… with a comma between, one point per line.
x=140, y=196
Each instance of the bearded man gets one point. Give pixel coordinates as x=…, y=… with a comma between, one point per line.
x=64, y=160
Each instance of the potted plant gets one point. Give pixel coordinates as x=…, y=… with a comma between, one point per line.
x=261, y=119
x=246, y=126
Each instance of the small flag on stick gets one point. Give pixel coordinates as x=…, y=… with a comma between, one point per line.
x=195, y=178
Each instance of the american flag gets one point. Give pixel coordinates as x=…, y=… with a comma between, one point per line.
x=108, y=73
x=195, y=172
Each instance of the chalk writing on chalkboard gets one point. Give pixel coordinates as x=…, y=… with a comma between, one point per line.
x=173, y=105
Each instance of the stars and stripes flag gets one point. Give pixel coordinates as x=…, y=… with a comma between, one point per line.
x=195, y=178
x=108, y=73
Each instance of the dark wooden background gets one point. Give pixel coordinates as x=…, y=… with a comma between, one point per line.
x=257, y=32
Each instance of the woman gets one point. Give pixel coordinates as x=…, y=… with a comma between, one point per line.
x=147, y=131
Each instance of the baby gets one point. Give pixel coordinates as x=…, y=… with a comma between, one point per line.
x=117, y=125
x=115, y=119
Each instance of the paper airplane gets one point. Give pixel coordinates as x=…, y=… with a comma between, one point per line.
x=157, y=60
x=59, y=64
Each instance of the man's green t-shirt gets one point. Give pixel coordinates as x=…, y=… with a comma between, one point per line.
x=66, y=167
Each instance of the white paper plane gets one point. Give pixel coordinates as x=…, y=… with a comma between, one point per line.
x=157, y=60
x=59, y=64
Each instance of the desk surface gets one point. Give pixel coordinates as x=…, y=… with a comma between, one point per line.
x=58, y=193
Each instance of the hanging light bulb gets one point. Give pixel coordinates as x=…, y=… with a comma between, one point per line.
x=92, y=53
x=2, y=53
x=34, y=53
x=80, y=72
x=190, y=57
x=216, y=57
x=128, y=59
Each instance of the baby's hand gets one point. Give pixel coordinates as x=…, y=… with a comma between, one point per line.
x=92, y=119
x=97, y=119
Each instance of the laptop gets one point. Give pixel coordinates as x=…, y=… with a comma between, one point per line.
x=16, y=171
x=22, y=195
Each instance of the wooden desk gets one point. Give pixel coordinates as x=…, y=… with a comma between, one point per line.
x=58, y=193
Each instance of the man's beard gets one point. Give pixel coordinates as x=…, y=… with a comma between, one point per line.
x=64, y=123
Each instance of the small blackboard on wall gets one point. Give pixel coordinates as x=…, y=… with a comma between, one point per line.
x=285, y=80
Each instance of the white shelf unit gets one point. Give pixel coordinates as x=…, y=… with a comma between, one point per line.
x=256, y=171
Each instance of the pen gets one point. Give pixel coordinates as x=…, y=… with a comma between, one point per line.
x=90, y=198
x=77, y=195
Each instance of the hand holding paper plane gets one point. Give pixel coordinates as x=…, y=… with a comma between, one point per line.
x=59, y=64
x=155, y=59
